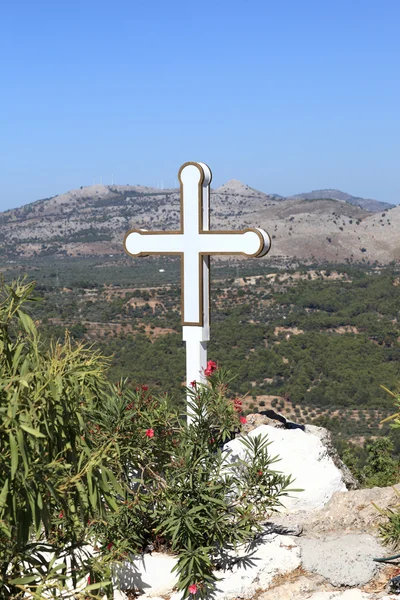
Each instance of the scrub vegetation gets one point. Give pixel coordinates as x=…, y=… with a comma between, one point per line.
x=315, y=343
x=91, y=472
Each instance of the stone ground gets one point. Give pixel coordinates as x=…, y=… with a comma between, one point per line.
x=331, y=559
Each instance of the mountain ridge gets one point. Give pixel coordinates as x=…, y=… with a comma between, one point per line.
x=333, y=194
x=94, y=220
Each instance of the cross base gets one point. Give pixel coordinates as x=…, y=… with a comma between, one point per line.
x=196, y=339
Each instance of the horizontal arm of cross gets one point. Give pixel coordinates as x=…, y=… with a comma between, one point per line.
x=143, y=243
x=251, y=242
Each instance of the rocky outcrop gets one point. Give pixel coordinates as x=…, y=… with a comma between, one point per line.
x=321, y=547
x=354, y=511
x=277, y=420
x=303, y=455
x=326, y=439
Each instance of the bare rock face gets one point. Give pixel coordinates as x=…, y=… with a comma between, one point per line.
x=354, y=511
x=302, y=586
x=325, y=436
x=257, y=419
x=280, y=422
x=354, y=594
x=303, y=455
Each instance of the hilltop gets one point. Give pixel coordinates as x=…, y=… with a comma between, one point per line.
x=314, y=226
x=365, y=203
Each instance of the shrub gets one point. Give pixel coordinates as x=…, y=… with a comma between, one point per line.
x=52, y=479
x=380, y=469
x=85, y=461
x=180, y=492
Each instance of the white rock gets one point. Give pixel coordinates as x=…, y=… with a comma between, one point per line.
x=149, y=574
x=276, y=555
x=305, y=457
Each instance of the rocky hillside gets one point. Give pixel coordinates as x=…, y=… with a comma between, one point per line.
x=94, y=219
x=365, y=203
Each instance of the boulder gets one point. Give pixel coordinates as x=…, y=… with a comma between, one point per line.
x=240, y=574
x=246, y=572
x=147, y=574
x=303, y=455
x=325, y=436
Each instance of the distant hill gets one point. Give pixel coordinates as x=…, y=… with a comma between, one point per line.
x=365, y=203
x=314, y=226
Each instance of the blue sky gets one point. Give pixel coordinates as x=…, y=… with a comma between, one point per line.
x=286, y=96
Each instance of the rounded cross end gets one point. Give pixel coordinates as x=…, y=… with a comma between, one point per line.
x=207, y=174
x=132, y=242
x=259, y=242
x=265, y=245
x=195, y=173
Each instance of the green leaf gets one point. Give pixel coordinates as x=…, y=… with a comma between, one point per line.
x=21, y=444
x=14, y=455
x=214, y=500
x=39, y=500
x=23, y=580
x=16, y=357
x=27, y=322
x=32, y=431
x=96, y=586
x=4, y=494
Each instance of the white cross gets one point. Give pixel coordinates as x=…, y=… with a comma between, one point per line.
x=195, y=243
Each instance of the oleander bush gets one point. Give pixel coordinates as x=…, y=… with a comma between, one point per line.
x=53, y=479
x=180, y=493
x=91, y=473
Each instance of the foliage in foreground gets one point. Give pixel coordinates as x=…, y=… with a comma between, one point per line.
x=180, y=493
x=52, y=477
x=390, y=528
x=86, y=462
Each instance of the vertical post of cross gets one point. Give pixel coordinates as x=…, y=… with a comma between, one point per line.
x=197, y=336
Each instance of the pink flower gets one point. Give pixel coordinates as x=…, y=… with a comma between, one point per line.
x=150, y=433
x=193, y=384
x=211, y=367
x=243, y=420
x=193, y=589
x=61, y=515
x=259, y=473
x=237, y=405
x=144, y=388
